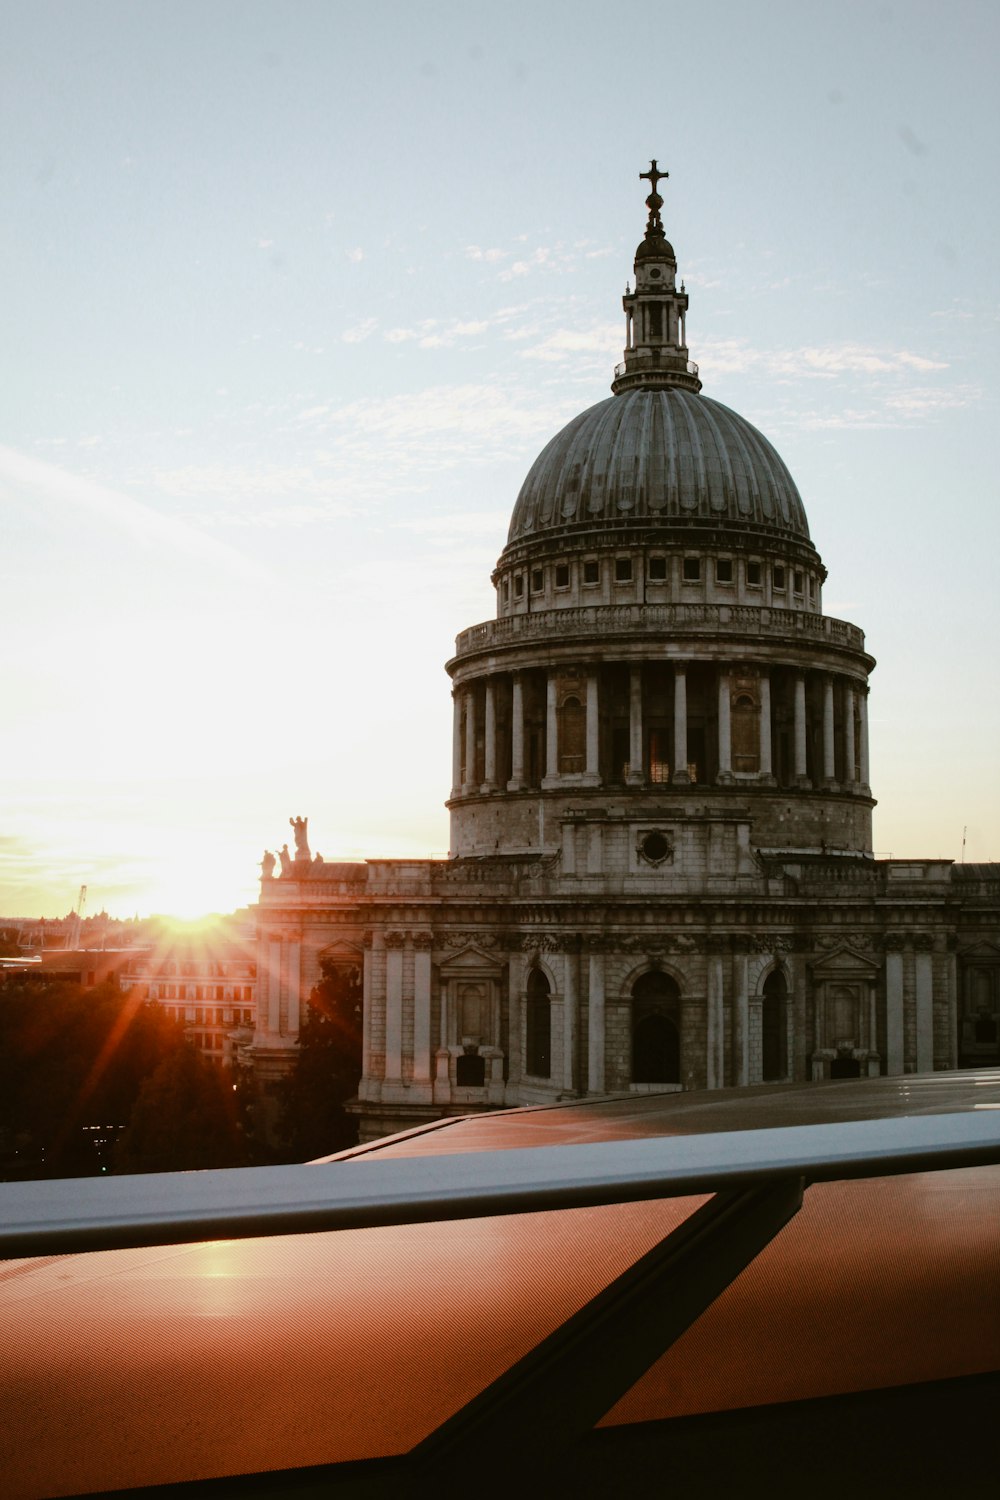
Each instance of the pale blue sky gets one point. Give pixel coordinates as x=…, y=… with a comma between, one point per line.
x=292, y=294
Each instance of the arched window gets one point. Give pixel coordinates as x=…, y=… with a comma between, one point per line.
x=656, y=1047
x=774, y=1027
x=572, y=735
x=538, y=1059
x=745, y=730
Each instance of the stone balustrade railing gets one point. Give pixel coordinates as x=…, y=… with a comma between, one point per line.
x=606, y=620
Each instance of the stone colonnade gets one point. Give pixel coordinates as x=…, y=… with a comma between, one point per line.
x=499, y=744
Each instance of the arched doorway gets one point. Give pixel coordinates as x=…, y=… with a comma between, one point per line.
x=538, y=1040
x=774, y=1028
x=656, y=1043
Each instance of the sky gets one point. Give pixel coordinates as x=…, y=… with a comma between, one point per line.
x=291, y=296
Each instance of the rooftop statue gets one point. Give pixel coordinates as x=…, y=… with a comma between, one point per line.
x=300, y=825
x=267, y=865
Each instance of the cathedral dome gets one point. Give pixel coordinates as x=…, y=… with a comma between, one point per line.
x=658, y=457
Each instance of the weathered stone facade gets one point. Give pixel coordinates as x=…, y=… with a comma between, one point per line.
x=661, y=872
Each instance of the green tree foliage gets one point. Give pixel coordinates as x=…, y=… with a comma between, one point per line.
x=184, y=1119
x=328, y=1068
x=72, y=1059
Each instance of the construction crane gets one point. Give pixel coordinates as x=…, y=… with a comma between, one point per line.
x=81, y=902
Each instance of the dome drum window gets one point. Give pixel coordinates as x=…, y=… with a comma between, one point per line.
x=562, y=575
x=723, y=570
x=591, y=570
x=623, y=570
x=753, y=574
x=778, y=578
x=657, y=570
x=692, y=570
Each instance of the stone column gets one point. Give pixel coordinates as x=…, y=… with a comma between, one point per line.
x=894, y=1012
x=766, y=771
x=366, y=1007
x=800, y=729
x=394, y=1007
x=741, y=1018
x=951, y=973
x=490, y=767
x=923, y=982
x=422, y=1008
x=636, y=759
x=829, y=746
x=863, y=712
x=593, y=730
x=595, y=1009
x=848, y=734
x=274, y=987
x=571, y=1022
x=725, y=772
x=551, y=730
x=456, y=742
x=515, y=1040
x=680, y=726
x=469, y=784
x=714, y=1019
x=293, y=956
x=516, y=782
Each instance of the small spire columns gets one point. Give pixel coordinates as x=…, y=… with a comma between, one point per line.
x=656, y=352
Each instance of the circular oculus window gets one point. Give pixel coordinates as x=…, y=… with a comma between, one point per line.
x=655, y=847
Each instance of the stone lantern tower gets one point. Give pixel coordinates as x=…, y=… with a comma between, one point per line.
x=660, y=642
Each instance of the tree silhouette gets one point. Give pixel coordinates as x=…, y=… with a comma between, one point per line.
x=184, y=1119
x=72, y=1062
x=328, y=1068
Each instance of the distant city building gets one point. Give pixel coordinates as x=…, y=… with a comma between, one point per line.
x=661, y=872
x=207, y=984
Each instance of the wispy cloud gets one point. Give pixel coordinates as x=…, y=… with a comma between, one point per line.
x=360, y=331
x=563, y=345
x=475, y=252
x=733, y=356
x=23, y=478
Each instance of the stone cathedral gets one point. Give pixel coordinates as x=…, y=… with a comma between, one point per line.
x=661, y=872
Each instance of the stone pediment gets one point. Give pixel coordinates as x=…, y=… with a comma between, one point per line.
x=469, y=960
x=341, y=952
x=843, y=962
x=982, y=951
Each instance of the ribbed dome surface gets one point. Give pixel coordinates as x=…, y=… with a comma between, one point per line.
x=660, y=456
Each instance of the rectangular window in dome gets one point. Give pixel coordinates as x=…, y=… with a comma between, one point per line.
x=723, y=570
x=692, y=569
x=797, y=580
x=778, y=577
x=753, y=575
x=562, y=575
x=591, y=571
x=657, y=569
x=623, y=570
x=537, y=580
x=518, y=586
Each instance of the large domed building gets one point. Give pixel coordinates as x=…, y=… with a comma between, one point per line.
x=661, y=872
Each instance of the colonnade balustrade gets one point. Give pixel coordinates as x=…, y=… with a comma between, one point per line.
x=633, y=724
